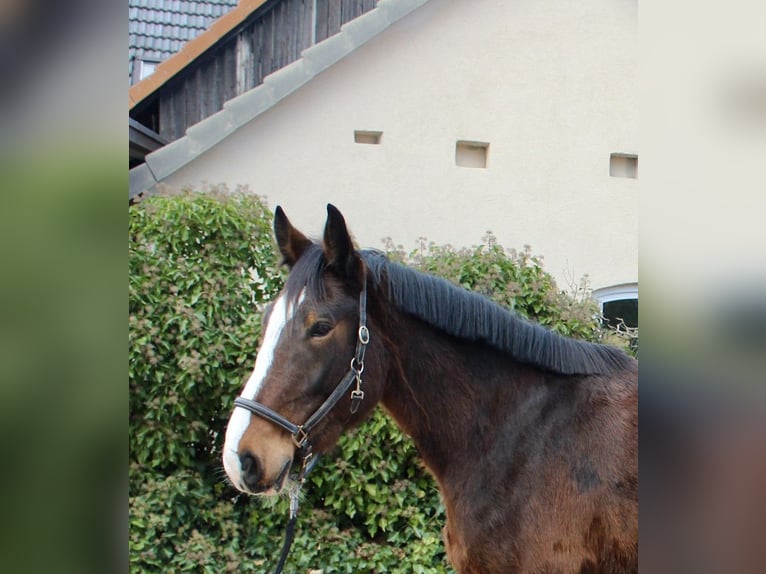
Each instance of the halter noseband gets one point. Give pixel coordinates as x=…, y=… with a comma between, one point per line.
x=300, y=433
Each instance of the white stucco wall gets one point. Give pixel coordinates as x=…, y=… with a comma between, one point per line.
x=550, y=84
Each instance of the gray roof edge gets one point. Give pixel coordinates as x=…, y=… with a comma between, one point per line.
x=244, y=108
x=140, y=180
x=133, y=124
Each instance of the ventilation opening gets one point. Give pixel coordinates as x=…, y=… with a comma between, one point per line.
x=143, y=69
x=367, y=137
x=471, y=154
x=623, y=165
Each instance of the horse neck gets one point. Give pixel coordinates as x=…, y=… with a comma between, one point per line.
x=446, y=393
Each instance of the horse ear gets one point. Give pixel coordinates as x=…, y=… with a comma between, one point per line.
x=339, y=251
x=292, y=243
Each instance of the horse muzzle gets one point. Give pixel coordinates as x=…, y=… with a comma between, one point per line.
x=247, y=473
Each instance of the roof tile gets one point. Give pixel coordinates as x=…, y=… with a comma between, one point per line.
x=163, y=26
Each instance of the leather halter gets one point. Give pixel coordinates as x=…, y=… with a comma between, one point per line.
x=300, y=433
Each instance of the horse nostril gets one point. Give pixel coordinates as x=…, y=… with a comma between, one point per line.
x=251, y=469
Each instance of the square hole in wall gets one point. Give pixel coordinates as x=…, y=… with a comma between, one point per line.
x=623, y=165
x=471, y=153
x=367, y=137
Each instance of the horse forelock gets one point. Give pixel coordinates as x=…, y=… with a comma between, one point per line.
x=305, y=278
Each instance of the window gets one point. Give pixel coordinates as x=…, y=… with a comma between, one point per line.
x=471, y=154
x=619, y=304
x=623, y=165
x=621, y=311
x=367, y=137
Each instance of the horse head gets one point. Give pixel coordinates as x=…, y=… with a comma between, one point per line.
x=306, y=387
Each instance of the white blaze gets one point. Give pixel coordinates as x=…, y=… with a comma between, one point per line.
x=240, y=419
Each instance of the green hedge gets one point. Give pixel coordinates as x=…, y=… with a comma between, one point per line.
x=201, y=265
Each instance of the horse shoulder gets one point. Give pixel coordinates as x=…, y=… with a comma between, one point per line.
x=564, y=498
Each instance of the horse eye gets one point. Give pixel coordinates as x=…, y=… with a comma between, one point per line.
x=320, y=329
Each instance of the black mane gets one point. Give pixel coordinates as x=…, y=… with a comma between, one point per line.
x=467, y=315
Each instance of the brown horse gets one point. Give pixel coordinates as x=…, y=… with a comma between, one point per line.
x=531, y=436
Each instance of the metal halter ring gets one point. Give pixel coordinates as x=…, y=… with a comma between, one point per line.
x=359, y=370
x=364, y=334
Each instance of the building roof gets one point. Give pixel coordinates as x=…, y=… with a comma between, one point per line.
x=142, y=141
x=242, y=109
x=157, y=29
x=215, y=30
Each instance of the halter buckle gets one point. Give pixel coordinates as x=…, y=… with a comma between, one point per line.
x=300, y=437
x=364, y=334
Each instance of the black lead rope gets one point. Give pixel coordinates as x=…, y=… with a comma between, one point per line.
x=289, y=536
x=309, y=462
